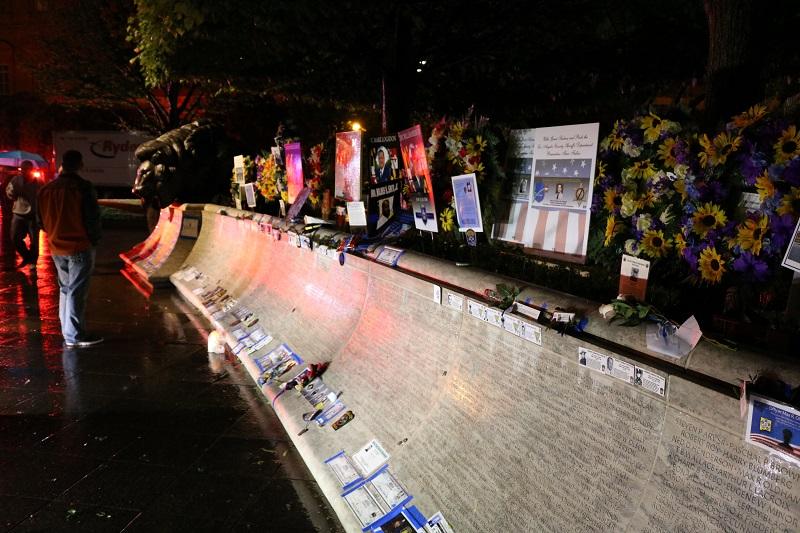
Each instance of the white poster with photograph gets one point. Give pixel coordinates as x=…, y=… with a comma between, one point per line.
x=563, y=167
x=468, y=205
x=792, y=257
x=514, y=224
x=238, y=168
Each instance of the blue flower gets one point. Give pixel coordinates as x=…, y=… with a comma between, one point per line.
x=750, y=267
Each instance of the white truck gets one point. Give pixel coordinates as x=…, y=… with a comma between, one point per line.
x=108, y=159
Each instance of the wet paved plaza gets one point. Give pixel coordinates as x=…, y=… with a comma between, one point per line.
x=147, y=431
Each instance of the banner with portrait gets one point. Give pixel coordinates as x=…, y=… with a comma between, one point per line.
x=385, y=163
x=384, y=205
x=418, y=178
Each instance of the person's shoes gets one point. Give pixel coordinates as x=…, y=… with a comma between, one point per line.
x=86, y=342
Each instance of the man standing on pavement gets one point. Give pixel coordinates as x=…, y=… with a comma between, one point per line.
x=22, y=190
x=70, y=216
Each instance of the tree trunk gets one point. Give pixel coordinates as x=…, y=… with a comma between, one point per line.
x=732, y=77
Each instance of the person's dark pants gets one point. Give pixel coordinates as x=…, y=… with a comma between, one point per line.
x=20, y=228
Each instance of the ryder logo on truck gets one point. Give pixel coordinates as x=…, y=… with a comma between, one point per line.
x=108, y=149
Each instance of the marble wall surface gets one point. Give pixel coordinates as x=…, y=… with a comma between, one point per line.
x=496, y=431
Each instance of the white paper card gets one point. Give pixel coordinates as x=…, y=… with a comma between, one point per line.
x=370, y=457
x=791, y=259
x=531, y=333
x=528, y=311
x=389, y=491
x=438, y=524
x=343, y=469
x=477, y=310
x=650, y=381
x=494, y=317
x=357, y=213
x=454, y=301
x=363, y=506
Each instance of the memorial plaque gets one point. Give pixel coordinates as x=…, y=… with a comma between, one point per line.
x=705, y=479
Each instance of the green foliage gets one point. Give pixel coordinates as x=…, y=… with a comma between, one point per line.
x=633, y=313
x=507, y=294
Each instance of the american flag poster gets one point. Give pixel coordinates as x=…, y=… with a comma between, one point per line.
x=555, y=216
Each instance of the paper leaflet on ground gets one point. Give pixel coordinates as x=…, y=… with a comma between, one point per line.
x=363, y=505
x=676, y=343
x=276, y=363
x=438, y=524
x=389, y=255
x=370, y=457
x=343, y=469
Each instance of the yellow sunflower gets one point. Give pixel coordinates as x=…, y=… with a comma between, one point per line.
x=612, y=200
x=653, y=126
x=716, y=152
x=707, y=217
x=647, y=199
x=750, y=117
x=708, y=150
x=680, y=186
x=666, y=152
x=601, y=170
x=446, y=219
x=643, y=169
x=750, y=234
x=711, y=265
x=790, y=203
x=611, y=229
x=765, y=187
x=680, y=242
x=654, y=244
x=615, y=140
x=788, y=146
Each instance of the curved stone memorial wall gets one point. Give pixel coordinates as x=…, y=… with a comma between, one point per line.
x=497, y=425
x=166, y=248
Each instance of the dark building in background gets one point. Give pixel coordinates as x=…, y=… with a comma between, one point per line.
x=26, y=119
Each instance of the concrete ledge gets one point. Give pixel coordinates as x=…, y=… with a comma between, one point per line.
x=496, y=431
x=166, y=248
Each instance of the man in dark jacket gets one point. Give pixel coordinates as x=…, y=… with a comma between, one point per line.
x=70, y=216
x=22, y=190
